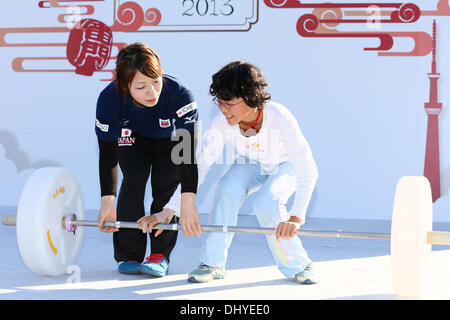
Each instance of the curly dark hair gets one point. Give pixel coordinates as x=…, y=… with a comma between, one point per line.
x=240, y=79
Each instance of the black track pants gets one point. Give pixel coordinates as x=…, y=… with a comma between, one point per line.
x=145, y=157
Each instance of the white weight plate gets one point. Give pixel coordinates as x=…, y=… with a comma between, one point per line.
x=45, y=246
x=412, y=218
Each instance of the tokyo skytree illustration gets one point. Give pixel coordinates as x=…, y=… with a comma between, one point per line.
x=433, y=108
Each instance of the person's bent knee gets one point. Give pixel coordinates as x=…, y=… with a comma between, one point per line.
x=228, y=188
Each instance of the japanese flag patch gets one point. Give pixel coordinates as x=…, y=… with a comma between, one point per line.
x=126, y=139
x=126, y=133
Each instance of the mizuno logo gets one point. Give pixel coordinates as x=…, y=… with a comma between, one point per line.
x=190, y=119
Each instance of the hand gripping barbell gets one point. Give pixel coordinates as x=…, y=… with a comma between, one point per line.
x=51, y=208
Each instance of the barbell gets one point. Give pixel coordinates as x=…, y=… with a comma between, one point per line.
x=51, y=209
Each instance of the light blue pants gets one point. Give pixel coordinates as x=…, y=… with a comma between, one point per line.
x=274, y=190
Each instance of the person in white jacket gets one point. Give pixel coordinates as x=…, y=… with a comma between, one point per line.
x=271, y=157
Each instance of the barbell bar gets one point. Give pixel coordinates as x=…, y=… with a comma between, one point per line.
x=51, y=208
x=10, y=220
x=433, y=237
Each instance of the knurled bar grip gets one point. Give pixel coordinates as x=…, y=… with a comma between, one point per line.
x=240, y=229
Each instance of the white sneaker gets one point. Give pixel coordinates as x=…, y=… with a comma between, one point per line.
x=205, y=273
x=307, y=276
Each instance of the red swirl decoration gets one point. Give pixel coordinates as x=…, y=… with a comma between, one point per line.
x=403, y=13
x=307, y=24
x=407, y=13
x=327, y=16
x=130, y=17
x=152, y=17
x=282, y=3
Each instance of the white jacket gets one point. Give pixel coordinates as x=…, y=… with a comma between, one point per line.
x=279, y=140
